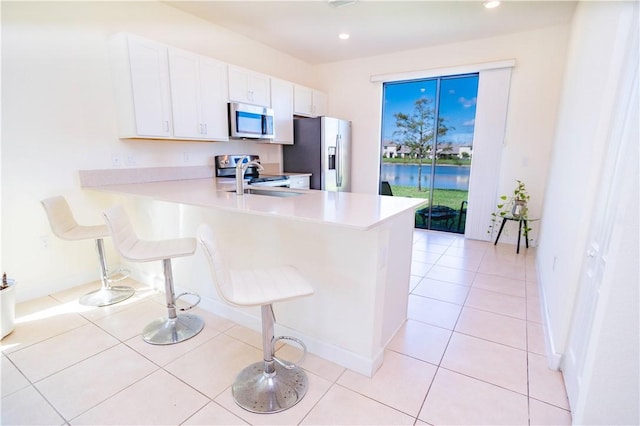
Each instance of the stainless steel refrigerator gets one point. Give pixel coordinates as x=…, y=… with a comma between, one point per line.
x=322, y=147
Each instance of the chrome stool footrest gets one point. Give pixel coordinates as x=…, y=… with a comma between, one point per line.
x=188, y=308
x=287, y=364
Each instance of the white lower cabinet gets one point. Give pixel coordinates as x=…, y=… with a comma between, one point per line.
x=299, y=182
x=199, y=96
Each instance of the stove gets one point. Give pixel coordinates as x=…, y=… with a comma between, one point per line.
x=226, y=168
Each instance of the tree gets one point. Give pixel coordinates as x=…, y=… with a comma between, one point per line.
x=416, y=131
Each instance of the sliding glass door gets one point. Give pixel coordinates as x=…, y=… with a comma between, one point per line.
x=422, y=162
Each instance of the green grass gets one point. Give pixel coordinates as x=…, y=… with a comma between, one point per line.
x=444, y=197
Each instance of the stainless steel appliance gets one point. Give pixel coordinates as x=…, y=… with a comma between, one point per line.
x=322, y=147
x=226, y=169
x=250, y=121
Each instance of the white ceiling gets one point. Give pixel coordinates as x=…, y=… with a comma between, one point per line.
x=308, y=29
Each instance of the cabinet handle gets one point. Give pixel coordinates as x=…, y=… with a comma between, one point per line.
x=205, y=129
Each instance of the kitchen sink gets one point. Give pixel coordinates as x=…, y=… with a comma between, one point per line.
x=269, y=193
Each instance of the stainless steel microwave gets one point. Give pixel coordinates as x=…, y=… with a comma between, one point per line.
x=250, y=121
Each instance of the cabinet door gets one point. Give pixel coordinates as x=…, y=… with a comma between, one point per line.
x=199, y=96
x=185, y=94
x=320, y=101
x=248, y=86
x=214, y=91
x=149, y=69
x=303, y=101
x=282, y=105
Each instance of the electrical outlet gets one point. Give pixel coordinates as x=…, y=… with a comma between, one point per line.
x=116, y=161
x=44, y=240
x=185, y=157
x=131, y=160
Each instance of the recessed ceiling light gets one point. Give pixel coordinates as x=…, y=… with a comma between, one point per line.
x=343, y=36
x=491, y=4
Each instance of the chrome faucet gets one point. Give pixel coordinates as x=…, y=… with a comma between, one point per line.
x=241, y=167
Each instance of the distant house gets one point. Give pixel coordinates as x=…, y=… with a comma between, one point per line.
x=465, y=151
x=390, y=150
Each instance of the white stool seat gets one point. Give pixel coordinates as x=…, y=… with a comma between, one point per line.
x=65, y=227
x=262, y=387
x=175, y=328
x=263, y=286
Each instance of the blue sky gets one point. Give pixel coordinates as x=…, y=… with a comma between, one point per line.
x=457, y=105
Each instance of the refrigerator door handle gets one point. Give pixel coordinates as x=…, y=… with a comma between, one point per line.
x=338, y=161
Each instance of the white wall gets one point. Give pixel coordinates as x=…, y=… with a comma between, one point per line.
x=588, y=255
x=58, y=117
x=535, y=90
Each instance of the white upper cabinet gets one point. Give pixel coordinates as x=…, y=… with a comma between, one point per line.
x=198, y=95
x=309, y=102
x=282, y=105
x=142, y=87
x=249, y=87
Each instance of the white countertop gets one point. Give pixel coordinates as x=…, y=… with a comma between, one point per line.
x=353, y=210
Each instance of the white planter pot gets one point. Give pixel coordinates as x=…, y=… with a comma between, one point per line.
x=8, y=308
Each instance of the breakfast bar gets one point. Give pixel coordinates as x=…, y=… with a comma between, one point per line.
x=355, y=249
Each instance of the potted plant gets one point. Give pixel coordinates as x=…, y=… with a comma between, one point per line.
x=512, y=206
x=7, y=305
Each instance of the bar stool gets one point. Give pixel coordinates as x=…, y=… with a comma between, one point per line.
x=272, y=385
x=65, y=227
x=175, y=328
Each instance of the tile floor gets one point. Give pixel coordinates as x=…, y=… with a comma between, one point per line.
x=471, y=352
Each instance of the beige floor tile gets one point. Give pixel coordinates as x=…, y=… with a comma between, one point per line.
x=434, y=312
x=532, y=289
x=130, y=322
x=77, y=388
x=141, y=295
x=494, y=327
x=468, y=263
x=213, y=366
x=11, y=379
x=214, y=414
x=158, y=399
x=420, y=269
x=401, y=382
x=341, y=406
x=441, y=290
x=52, y=355
x=422, y=341
x=535, y=338
x=542, y=413
x=500, y=284
x=451, y=275
x=414, y=280
x=425, y=256
x=292, y=416
x=497, y=303
x=502, y=268
x=37, y=326
x=246, y=335
x=430, y=247
x=534, y=311
x=28, y=407
x=545, y=384
x=490, y=362
x=455, y=399
x=477, y=245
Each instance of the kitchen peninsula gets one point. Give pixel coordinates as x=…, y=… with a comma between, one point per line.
x=354, y=248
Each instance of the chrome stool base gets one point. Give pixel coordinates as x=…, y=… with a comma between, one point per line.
x=260, y=392
x=167, y=331
x=107, y=296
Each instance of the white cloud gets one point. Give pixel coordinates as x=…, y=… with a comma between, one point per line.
x=467, y=103
x=469, y=122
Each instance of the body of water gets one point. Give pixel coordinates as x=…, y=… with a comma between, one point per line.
x=447, y=177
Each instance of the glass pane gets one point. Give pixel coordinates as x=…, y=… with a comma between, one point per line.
x=418, y=163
